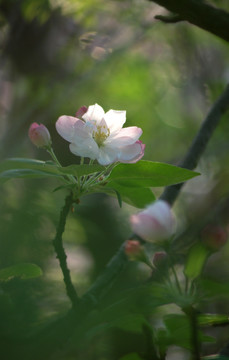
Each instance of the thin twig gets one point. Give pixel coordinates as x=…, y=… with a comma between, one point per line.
x=60, y=253
x=199, y=143
x=169, y=19
x=201, y=14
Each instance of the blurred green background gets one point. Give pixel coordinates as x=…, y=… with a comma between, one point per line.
x=58, y=55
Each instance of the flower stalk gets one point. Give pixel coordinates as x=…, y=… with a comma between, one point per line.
x=61, y=255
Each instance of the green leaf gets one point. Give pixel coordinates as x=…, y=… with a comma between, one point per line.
x=213, y=319
x=146, y=297
x=213, y=289
x=67, y=186
x=130, y=323
x=24, y=173
x=80, y=170
x=179, y=332
x=22, y=163
x=196, y=260
x=149, y=174
x=119, y=198
x=135, y=196
x=23, y=271
x=24, y=168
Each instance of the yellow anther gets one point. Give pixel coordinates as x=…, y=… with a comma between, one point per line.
x=100, y=135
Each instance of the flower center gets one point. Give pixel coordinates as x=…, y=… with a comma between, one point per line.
x=101, y=134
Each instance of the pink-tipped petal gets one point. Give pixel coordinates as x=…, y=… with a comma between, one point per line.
x=65, y=126
x=144, y=226
x=162, y=211
x=126, y=136
x=132, y=153
x=82, y=131
x=155, y=223
x=81, y=111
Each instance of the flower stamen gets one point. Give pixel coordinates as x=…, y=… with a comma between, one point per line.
x=101, y=134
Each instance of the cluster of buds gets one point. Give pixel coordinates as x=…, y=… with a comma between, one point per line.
x=134, y=250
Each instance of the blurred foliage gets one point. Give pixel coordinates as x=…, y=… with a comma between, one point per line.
x=57, y=55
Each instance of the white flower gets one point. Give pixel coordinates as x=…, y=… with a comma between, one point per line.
x=100, y=136
x=157, y=222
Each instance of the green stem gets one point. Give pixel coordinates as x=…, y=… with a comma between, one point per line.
x=176, y=279
x=151, y=352
x=192, y=287
x=169, y=281
x=53, y=155
x=186, y=284
x=195, y=343
x=93, y=178
x=60, y=252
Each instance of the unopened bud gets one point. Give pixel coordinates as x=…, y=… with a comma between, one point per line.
x=214, y=237
x=133, y=249
x=39, y=135
x=81, y=111
x=156, y=223
x=160, y=258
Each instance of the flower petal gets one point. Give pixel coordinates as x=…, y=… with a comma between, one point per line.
x=126, y=136
x=86, y=148
x=147, y=227
x=162, y=211
x=132, y=153
x=81, y=111
x=94, y=113
x=65, y=126
x=107, y=155
x=82, y=131
x=115, y=120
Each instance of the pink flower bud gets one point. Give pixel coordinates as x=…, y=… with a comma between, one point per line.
x=155, y=223
x=133, y=249
x=214, y=237
x=39, y=135
x=81, y=111
x=159, y=259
